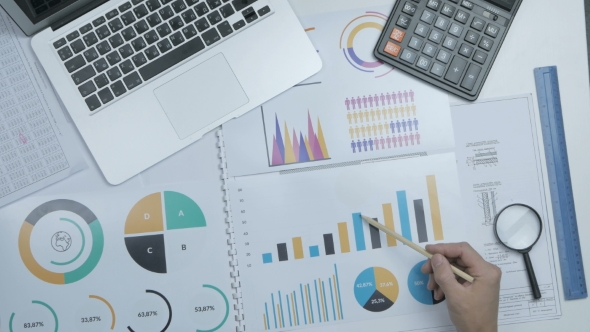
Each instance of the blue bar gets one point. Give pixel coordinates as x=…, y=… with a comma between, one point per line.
x=274, y=312
x=281, y=308
x=289, y=309
x=332, y=296
x=314, y=251
x=317, y=298
x=303, y=304
x=359, y=233
x=267, y=319
x=296, y=308
x=404, y=215
x=325, y=301
x=339, y=294
x=310, y=304
x=266, y=258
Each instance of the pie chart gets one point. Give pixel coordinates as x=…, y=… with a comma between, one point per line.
x=164, y=231
x=376, y=289
x=417, y=282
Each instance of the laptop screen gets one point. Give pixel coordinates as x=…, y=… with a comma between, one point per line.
x=33, y=16
x=38, y=10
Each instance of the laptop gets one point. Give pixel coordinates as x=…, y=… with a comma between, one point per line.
x=143, y=79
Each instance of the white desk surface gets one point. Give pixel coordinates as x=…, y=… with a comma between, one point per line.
x=530, y=44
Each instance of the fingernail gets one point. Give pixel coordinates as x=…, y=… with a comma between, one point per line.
x=436, y=260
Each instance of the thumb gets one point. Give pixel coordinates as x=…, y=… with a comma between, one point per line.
x=443, y=274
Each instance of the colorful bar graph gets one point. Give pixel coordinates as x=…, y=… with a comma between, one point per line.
x=314, y=251
x=375, y=236
x=316, y=302
x=298, y=149
x=282, y=252
x=388, y=216
x=344, y=239
x=329, y=244
x=404, y=214
x=434, y=208
x=420, y=221
x=359, y=233
x=298, y=248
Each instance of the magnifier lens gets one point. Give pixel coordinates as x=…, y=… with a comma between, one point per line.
x=518, y=227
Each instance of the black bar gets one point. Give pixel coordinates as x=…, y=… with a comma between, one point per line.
x=420, y=221
x=329, y=244
x=282, y=251
x=375, y=236
x=168, y=60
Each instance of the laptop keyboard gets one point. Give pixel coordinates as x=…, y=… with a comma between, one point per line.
x=135, y=42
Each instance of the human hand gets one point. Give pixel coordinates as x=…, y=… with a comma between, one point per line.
x=473, y=307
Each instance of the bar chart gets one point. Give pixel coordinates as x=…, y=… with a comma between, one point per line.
x=314, y=302
x=299, y=231
x=355, y=227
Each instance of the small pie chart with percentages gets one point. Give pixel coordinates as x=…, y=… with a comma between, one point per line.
x=376, y=289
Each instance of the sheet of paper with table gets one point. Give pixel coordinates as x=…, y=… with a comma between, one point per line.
x=36, y=142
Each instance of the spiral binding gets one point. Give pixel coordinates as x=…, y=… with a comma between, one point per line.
x=231, y=241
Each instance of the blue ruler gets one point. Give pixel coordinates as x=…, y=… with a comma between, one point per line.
x=560, y=184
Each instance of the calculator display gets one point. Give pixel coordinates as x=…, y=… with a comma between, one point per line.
x=504, y=4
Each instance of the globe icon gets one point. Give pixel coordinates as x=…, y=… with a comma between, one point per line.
x=61, y=241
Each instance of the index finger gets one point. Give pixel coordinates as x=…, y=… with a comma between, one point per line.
x=464, y=254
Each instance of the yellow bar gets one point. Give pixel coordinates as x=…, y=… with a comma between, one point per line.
x=280, y=318
x=322, y=297
x=293, y=309
x=307, y=300
x=298, y=247
x=434, y=208
x=343, y=234
x=264, y=319
x=388, y=214
x=337, y=296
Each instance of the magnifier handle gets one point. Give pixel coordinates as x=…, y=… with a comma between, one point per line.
x=532, y=277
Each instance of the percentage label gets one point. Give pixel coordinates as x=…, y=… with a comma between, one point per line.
x=33, y=325
x=147, y=314
x=205, y=308
x=90, y=319
x=376, y=301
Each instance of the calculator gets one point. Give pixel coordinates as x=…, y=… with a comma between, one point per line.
x=449, y=43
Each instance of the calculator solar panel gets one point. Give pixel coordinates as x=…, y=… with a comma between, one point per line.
x=449, y=43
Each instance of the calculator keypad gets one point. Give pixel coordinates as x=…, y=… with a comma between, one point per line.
x=450, y=41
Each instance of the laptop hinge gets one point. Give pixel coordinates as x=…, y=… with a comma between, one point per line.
x=77, y=13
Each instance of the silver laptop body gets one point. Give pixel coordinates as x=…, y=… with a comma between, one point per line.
x=197, y=78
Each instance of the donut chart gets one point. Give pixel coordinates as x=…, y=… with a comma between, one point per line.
x=35, y=322
x=352, y=44
x=83, y=216
x=164, y=230
x=376, y=289
x=417, y=282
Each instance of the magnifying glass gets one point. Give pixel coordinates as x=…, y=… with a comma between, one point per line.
x=519, y=227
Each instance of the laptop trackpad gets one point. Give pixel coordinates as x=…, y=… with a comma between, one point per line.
x=201, y=96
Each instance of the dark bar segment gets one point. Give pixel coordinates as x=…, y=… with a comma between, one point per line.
x=375, y=236
x=420, y=221
x=329, y=244
x=282, y=251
